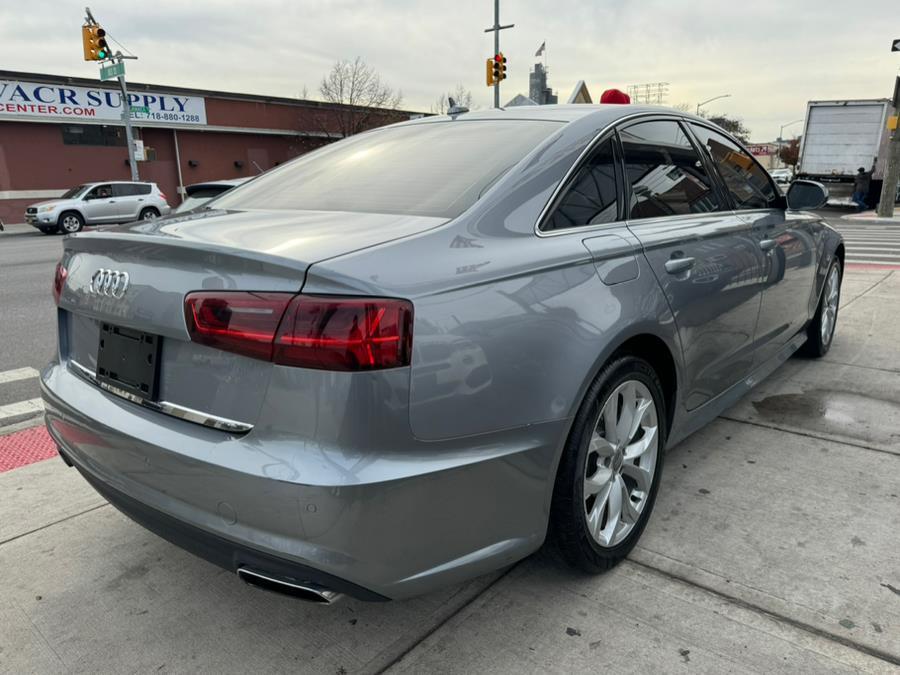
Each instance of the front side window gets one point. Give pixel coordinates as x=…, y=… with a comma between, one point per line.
x=665, y=171
x=747, y=181
x=431, y=169
x=590, y=198
x=100, y=192
x=74, y=192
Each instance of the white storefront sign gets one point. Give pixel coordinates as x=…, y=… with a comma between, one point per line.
x=24, y=100
x=139, y=150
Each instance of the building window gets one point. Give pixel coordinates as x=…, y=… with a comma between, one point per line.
x=92, y=134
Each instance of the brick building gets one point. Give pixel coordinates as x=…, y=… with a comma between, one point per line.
x=57, y=132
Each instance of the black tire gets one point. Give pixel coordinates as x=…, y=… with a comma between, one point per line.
x=48, y=230
x=149, y=213
x=568, y=521
x=70, y=222
x=817, y=344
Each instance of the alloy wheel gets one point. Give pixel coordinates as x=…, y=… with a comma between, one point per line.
x=149, y=215
x=830, y=304
x=71, y=223
x=620, y=463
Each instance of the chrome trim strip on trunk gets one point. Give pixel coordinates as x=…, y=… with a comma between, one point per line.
x=165, y=407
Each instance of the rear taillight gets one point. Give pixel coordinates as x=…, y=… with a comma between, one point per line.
x=345, y=333
x=163, y=195
x=59, y=281
x=239, y=322
x=326, y=333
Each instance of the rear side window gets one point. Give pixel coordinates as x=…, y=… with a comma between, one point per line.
x=746, y=180
x=590, y=198
x=431, y=169
x=665, y=171
x=130, y=189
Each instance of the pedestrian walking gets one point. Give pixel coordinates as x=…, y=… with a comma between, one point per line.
x=861, y=188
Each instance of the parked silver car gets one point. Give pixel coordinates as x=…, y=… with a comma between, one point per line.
x=96, y=203
x=198, y=194
x=411, y=356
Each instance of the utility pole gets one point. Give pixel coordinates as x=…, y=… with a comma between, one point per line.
x=126, y=118
x=891, y=178
x=496, y=28
x=891, y=181
x=96, y=49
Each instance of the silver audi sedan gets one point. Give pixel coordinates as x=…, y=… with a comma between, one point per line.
x=413, y=356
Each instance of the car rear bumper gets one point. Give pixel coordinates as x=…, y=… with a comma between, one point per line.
x=408, y=528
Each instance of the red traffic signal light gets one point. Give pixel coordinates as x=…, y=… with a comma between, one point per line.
x=499, y=67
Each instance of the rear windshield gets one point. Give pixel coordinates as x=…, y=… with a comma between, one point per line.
x=437, y=169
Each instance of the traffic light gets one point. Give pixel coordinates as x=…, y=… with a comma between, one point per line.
x=93, y=39
x=499, y=67
x=495, y=69
x=489, y=74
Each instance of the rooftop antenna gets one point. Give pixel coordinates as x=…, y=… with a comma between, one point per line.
x=454, y=108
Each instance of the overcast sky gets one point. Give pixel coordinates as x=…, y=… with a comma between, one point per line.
x=772, y=56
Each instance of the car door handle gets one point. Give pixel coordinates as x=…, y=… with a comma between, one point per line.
x=768, y=244
x=677, y=265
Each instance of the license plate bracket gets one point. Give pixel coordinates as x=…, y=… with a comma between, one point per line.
x=128, y=360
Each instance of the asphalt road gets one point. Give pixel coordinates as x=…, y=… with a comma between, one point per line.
x=27, y=313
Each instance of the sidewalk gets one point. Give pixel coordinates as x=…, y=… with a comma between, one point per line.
x=872, y=217
x=773, y=548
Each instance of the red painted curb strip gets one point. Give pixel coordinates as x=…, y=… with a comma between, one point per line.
x=25, y=447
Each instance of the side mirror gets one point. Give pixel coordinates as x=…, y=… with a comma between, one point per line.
x=806, y=194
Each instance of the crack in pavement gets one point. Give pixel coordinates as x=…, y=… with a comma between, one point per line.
x=55, y=522
x=810, y=434
x=778, y=616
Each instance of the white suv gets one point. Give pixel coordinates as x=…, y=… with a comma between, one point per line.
x=95, y=203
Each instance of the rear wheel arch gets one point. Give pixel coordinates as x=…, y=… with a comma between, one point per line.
x=656, y=352
x=647, y=346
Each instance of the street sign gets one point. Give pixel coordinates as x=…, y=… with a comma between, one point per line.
x=895, y=47
x=140, y=109
x=112, y=71
x=139, y=155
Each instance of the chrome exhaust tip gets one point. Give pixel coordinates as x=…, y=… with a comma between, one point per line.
x=302, y=591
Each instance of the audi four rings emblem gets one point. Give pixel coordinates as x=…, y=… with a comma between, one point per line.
x=111, y=283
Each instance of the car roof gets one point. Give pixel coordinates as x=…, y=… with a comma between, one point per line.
x=605, y=113
x=118, y=182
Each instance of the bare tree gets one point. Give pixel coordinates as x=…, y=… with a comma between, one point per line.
x=733, y=125
x=461, y=95
x=360, y=92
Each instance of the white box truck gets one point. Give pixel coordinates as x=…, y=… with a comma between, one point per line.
x=841, y=136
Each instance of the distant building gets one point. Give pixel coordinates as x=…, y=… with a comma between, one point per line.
x=58, y=131
x=580, y=94
x=519, y=99
x=538, y=91
x=767, y=154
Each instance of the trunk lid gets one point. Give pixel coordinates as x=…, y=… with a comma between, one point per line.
x=207, y=251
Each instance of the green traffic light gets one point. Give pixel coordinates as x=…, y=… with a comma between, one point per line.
x=101, y=54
